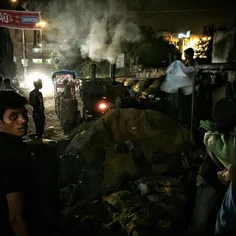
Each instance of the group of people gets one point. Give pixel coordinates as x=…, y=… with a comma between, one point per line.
x=215, y=210
x=20, y=210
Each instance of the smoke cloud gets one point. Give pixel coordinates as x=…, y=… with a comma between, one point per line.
x=98, y=29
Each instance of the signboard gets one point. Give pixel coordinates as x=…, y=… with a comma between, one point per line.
x=20, y=19
x=120, y=62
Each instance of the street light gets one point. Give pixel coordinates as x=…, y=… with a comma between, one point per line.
x=41, y=24
x=14, y=1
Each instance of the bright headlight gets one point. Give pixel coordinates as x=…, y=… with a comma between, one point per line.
x=47, y=89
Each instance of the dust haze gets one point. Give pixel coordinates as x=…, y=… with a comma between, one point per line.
x=98, y=29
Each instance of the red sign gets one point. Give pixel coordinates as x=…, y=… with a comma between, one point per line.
x=20, y=19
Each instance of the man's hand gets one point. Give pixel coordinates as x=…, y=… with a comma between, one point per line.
x=15, y=206
x=225, y=175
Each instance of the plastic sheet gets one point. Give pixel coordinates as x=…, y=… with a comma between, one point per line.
x=178, y=77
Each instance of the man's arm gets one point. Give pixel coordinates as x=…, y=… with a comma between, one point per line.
x=12, y=180
x=31, y=100
x=15, y=206
x=187, y=69
x=41, y=102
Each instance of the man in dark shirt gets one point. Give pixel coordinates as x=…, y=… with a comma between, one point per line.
x=36, y=101
x=18, y=195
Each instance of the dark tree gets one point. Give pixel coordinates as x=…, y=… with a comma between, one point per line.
x=151, y=51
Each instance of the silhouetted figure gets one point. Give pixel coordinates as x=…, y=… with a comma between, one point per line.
x=66, y=94
x=7, y=85
x=36, y=101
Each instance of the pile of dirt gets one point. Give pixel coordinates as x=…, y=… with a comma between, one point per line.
x=126, y=153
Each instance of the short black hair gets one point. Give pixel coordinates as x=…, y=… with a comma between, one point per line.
x=37, y=82
x=65, y=81
x=1, y=78
x=10, y=100
x=7, y=81
x=189, y=51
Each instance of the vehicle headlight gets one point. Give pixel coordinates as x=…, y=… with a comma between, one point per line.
x=151, y=96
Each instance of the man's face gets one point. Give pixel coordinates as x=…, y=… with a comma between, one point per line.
x=15, y=122
x=188, y=56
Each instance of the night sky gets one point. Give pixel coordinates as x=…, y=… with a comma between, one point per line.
x=173, y=15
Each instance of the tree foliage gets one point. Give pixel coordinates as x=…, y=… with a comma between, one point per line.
x=151, y=51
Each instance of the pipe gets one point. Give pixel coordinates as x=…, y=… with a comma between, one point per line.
x=93, y=72
x=113, y=73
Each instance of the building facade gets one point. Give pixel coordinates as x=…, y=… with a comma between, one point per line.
x=37, y=53
x=7, y=65
x=186, y=40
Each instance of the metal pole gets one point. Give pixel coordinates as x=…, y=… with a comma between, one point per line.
x=41, y=37
x=24, y=53
x=193, y=108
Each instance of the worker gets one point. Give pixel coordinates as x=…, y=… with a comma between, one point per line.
x=7, y=85
x=225, y=223
x=185, y=101
x=19, y=198
x=36, y=101
x=189, y=54
x=66, y=94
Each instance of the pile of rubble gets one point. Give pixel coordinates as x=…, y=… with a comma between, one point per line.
x=128, y=162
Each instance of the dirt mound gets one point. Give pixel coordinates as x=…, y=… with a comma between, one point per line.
x=96, y=161
x=132, y=157
x=149, y=128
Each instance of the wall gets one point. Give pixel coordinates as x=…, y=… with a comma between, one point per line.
x=38, y=57
x=7, y=67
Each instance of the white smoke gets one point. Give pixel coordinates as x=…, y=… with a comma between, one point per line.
x=99, y=29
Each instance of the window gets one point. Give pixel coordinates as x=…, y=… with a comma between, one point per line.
x=37, y=50
x=37, y=61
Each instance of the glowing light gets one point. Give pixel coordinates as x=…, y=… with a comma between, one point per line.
x=14, y=1
x=41, y=24
x=181, y=35
x=102, y=106
x=47, y=89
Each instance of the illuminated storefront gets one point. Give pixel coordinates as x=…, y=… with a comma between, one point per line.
x=187, y=40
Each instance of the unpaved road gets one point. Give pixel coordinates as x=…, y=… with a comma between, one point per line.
x=53, y=128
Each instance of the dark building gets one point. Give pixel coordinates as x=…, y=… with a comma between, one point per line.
x=7, y=65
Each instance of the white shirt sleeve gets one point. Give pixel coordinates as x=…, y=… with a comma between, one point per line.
x=187, y=69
